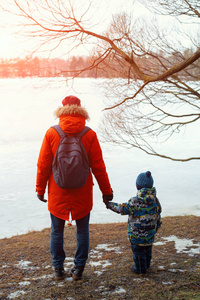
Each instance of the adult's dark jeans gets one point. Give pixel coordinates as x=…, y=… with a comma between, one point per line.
x=57, y=241
x=142, y=258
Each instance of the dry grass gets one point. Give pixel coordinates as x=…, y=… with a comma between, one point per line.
x=26, y=270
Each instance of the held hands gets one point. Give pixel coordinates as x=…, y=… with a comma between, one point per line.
x=107, y=199
x=41, y=198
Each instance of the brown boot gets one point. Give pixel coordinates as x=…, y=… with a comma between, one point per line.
x=76, y=272
x=59, y=273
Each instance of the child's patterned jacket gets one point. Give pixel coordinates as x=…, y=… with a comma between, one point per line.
x=144, y=216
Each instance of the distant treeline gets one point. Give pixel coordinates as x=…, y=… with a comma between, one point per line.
x=109, y=67
x=41, y=67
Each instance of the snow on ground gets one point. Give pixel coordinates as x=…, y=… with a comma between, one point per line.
x=167, y=282
x=108, y=247
x=25, y=265
x=119, y=290
x=181, y=246
x=190, y=247
x=16, y=294
x=97, y=253
x=23, y=283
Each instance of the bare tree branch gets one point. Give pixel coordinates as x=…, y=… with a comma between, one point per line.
x=153, y=74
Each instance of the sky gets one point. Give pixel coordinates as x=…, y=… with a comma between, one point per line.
x=13, y=44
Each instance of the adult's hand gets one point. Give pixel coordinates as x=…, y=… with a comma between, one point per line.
x=107, y=199
x=41, y=198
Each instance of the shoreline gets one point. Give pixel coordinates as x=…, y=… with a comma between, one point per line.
x=98, y=224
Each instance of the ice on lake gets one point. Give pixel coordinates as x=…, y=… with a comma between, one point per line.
x=27, y=107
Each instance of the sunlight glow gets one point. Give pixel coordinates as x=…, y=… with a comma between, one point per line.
x=98, y=15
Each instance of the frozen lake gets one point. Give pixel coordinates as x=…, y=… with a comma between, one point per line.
x=27, y=107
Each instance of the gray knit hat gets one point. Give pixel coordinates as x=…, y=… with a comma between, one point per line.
x=144, y=180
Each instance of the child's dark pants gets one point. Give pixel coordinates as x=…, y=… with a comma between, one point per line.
x=142, y=258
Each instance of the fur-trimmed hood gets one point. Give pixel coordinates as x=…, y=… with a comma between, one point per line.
x=72, y=110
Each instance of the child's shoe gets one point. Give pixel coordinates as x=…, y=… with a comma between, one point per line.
x=76, y=272
x=135, y=271
x=60, y=273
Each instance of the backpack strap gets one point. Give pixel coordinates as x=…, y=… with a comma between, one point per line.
x=81, y=133
x=59, y=130
x=63, y=134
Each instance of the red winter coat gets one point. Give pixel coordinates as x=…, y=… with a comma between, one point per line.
x=77, y=201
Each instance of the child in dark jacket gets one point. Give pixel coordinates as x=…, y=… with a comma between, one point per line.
x=144, y=212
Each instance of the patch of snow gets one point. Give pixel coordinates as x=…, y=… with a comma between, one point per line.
x=98, y=273
x=69, y=258
x=16, y=294
x=119, y=290
x=161, y=268
x=101, y=288
x=95, y=263
x=42, y=277
x=176, y=270
x=24, y=283
x=102, y=263
x=167, y=282
x=137, y=279
x=60, y=284
x=95, y=253
x=173, y=270
x=67, y=264
x=108, y=247
x=106, y=264
x=159, y=243
x=181, y=245
x=69, y=279
x=23, y=264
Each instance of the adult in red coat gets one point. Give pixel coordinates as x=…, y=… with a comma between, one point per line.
x=75, y=202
